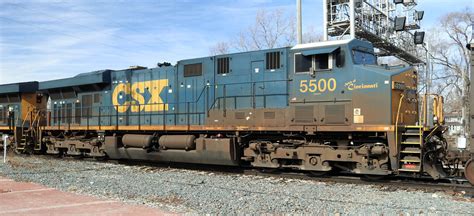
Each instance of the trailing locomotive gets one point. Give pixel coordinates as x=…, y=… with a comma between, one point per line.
x=314, y=107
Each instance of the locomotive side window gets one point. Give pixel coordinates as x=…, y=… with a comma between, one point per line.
x=321, y=61
x=272, y=60
x=312, y=63
x=303, y=63
x=363, y=57
x=193, y=70
x=223, y=65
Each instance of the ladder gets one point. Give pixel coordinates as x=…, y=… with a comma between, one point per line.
x=23, y=142
x=410, y=157
x=30, y=132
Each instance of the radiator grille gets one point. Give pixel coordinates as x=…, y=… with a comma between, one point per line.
x=304, y=114
x=239, y=115
x=269, y=115
x=335, y=114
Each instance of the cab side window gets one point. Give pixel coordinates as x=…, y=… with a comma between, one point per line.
x=321, y=61
x=364, y=57
x=313, y=63
x=303, y=63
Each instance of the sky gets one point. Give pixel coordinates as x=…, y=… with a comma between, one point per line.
x=52, y=39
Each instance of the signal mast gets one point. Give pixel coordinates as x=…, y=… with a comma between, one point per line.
x=392, y=26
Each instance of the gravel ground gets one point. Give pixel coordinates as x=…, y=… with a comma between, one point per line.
x=197, y=192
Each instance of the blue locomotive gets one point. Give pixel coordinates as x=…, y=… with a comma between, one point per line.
x=313, y=107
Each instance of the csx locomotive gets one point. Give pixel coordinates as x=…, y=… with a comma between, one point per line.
x=315, y=108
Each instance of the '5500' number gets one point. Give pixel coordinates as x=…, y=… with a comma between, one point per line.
x=321, y=85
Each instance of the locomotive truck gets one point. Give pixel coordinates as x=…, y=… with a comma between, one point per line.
x=315, y=108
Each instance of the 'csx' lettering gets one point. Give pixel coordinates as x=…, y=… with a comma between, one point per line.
x=139, y=96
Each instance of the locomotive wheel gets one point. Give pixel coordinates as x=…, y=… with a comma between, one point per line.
x=469, y=171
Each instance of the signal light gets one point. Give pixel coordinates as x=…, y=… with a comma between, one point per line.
x=419, y=37
x=400, y=23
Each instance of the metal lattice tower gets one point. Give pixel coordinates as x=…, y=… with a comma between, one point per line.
x=389, y=25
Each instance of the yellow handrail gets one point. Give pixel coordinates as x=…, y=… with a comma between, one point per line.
x=398, y=115
x=24, y=120
x=424, y=110
x=438, y=107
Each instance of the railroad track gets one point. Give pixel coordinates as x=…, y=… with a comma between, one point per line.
x=389, y=184
x=455, y=186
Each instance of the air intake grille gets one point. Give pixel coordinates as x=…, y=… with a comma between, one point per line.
x=304, y=114
x=269, y=115
x=335, y=114
x=239, y=115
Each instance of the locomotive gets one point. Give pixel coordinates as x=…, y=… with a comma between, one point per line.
x=315, y=108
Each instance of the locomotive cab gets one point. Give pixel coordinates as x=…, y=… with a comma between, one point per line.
x=340, y=84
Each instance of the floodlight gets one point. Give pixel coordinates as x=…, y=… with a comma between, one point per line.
x=397, y=1
x=400, y=23
x=419, y=15
x=419, y=37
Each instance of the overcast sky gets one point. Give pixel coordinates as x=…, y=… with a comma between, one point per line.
x=52, y=39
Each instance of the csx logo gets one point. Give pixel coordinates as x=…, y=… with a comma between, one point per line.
x=139, y=96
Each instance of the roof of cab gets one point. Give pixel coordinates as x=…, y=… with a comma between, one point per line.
x=336, y=43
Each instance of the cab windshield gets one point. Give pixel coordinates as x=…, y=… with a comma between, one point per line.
x=363, y=57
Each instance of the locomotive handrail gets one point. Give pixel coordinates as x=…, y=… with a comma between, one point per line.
x=253, y=89
x=398, y=115
x=105, y=111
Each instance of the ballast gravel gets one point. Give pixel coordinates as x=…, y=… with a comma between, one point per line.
x=198, y=192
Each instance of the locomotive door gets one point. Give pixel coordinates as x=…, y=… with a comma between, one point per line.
x=257, y=85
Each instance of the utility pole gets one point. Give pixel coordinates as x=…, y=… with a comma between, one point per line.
x=470, y=115
x=464, y=115
x=299, y=22
x=325, y=20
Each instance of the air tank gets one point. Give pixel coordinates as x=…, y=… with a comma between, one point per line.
x=137, y=140
x=185, y=142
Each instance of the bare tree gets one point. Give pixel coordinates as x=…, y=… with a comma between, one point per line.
x=451, y=58
x=220, y=48
x=311, y=35
x=271, y=30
